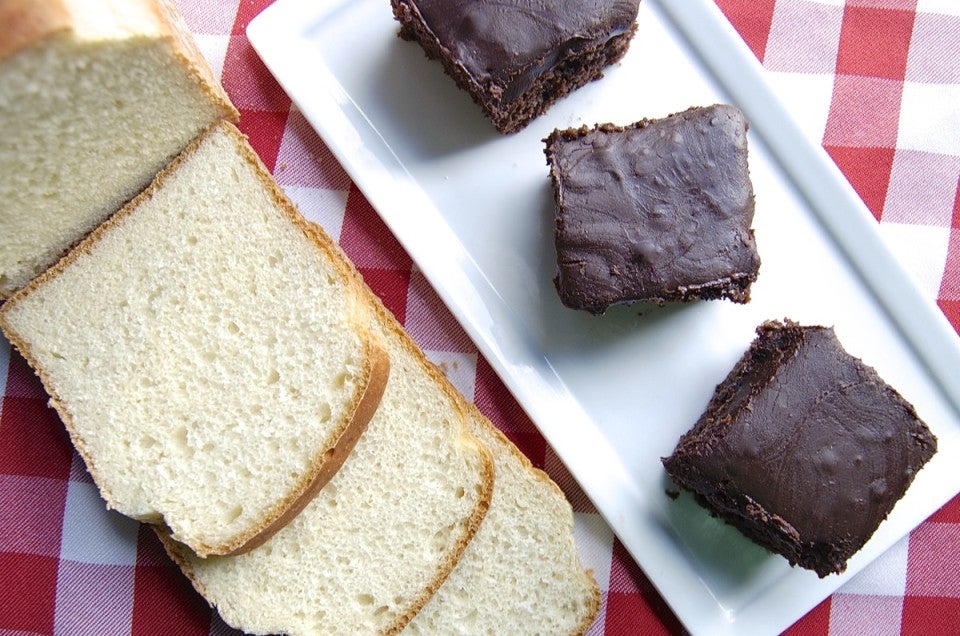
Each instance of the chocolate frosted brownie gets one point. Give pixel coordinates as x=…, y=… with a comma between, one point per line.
x=656, y=211
x=803, y=448
x=516, y=58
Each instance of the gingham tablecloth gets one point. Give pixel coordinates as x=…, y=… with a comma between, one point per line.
x=877, y=82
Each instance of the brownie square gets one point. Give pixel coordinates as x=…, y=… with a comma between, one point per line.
x=803, y=448
x=517, y=58
x=657, y=211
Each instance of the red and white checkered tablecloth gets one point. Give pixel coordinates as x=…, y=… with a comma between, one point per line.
x=877, y=82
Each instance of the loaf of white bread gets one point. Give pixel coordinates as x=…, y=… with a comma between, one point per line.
x=97, y=96
x=206, y=349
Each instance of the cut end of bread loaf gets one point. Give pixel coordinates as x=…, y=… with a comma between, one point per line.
x=96, y=98
x=206, y=350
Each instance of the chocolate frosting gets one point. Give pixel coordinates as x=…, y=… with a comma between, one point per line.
x=803, y=447
x=657, y=211
x=508, y=43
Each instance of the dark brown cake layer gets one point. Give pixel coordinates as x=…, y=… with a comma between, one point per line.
x=657, y=211
x=803, y=448
x=516, y=58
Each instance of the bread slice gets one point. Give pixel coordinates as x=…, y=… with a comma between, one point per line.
x=521, y=573
x=378, y=541
x=206, y=349
x=96, y=96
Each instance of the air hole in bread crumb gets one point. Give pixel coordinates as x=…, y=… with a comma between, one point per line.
x=323, y=412
x=273, y=376
x=180, y=437
x=381, y=610
x=364, y=599
x=233, y=327
x=191, y=240
x=233, y=514
x=460, y=493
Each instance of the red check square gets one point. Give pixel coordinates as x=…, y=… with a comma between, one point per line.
x=248, y=82
x=752, y=19
x=874, y=42
x=29, y=593
x=951, y=309
x=950, y=513
x=164, y=602
x=390, y=285
x=632, y=597
x=33, y=441
x=265, y=130
x=814, y=623
x=367, y=240
x=497, y=404
x=864, y=112
x=924, y=616
x=868, y=171
x=22, y=382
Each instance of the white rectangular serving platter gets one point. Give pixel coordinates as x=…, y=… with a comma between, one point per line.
x=612, y=394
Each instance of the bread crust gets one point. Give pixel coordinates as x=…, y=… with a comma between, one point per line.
x=360, y=411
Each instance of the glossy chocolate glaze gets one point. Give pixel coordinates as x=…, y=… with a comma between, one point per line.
x=508, y=43
x=803, y=447
x=658, y=211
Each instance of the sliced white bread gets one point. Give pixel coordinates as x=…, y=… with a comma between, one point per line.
x=379, y=540
x=521, y=573
x=96, y=96
x=206, y=349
